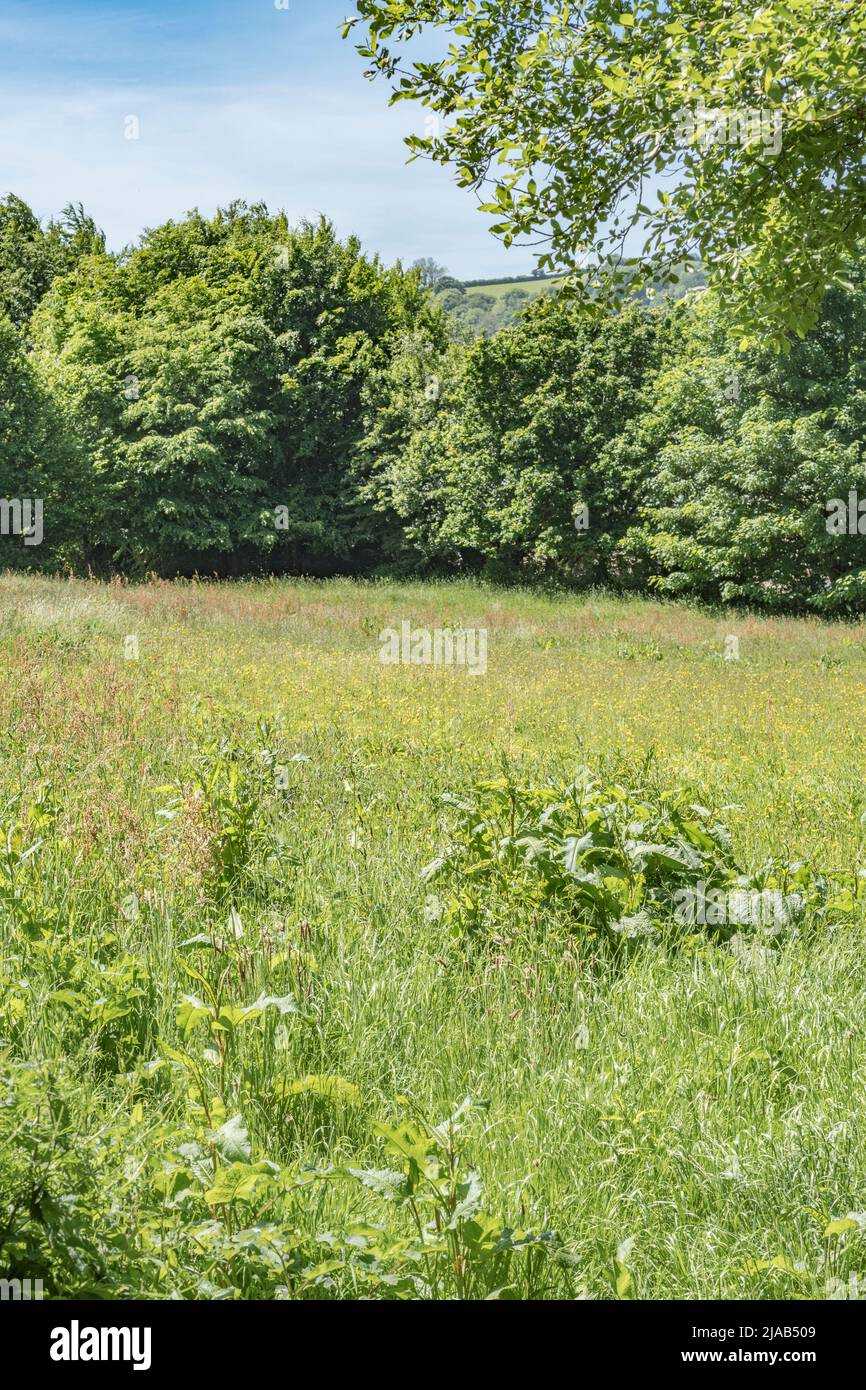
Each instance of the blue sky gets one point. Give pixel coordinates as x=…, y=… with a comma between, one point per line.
x=234, y=99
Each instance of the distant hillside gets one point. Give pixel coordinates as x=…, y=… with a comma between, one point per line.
x=510, y=280
x=485, y=306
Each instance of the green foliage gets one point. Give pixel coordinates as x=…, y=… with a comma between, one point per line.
x=62, y=1186
x=568, y=118
x=31, y=258
x=462, y=1252
x=218, y=377
x=218, y=986
x=40, y=462
x=494, y=472
x=606, y=862
x=102, y=1199
x=235, y=396
x=743, y=455
x=233, y=788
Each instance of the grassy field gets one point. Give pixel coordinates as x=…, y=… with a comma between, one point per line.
x=499, y=289
x=235, y=1015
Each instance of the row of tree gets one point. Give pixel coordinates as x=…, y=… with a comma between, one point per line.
x=237, y=396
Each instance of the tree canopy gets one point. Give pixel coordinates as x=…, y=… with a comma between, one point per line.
x=31, y=257
x=235, y=395
x=219, y=378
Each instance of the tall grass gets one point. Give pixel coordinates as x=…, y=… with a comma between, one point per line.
x=683, y=1118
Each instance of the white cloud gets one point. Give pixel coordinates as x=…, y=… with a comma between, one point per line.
x=310, y=150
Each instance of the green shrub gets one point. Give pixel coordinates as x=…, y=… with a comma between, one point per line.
x=609, y=862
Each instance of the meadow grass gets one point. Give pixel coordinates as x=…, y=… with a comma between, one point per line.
x=686, y=1120
x=498, y=291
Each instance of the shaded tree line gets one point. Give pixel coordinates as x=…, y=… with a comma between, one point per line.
x=237, y=396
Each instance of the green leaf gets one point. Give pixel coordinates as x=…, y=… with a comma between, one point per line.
x=384, y=1181
x=332, y=1088
x=780, y=1262
x=191, y=1013
x=239, y=1183
x=468, y=1199
x=841, y=1226
x=232, y=1140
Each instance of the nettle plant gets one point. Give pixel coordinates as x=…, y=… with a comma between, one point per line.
x=66, y=979
x=603, y=859
x=240, y=1223
x=240, y=1226
x=460, y=1252
x=233, y=786
x=65, y=1188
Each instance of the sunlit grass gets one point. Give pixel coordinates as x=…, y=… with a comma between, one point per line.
x=712, y=1115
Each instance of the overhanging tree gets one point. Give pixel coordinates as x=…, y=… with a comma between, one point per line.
x=707, y=128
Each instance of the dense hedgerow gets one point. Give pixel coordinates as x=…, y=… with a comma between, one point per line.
x=236, y=396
